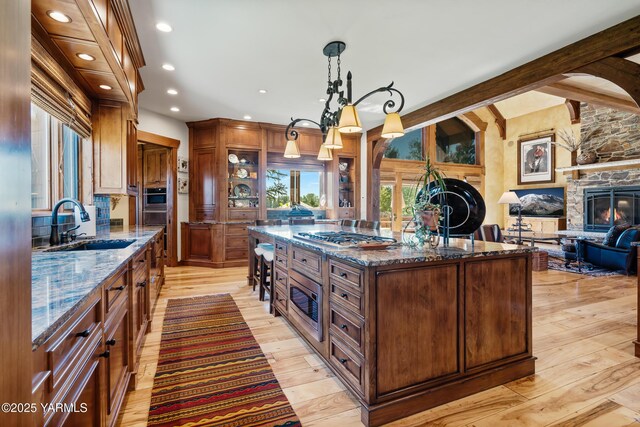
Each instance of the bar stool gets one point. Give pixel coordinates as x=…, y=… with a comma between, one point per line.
x=258, y=274
x=348, y=223
x=266, y=276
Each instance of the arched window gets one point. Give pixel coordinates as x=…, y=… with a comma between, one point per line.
x=455, y=142
x=410, y=146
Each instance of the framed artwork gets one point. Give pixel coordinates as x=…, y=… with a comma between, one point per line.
x=183, y=185
x=183, y=164
x=536, y=160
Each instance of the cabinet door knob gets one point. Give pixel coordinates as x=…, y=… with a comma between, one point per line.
x=343, y=275
x=112, y=341
x=304, y=260
x=142, y=284
x=106, y=354
x=84, y=333
x=343, y=326
x=343, y=361
x=118, y=288
x=345, y=296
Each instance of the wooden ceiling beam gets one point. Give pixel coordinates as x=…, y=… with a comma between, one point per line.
x=564, y=90
x=545, y=70
x=574, y=110
x=501, y=122
x=620, y=71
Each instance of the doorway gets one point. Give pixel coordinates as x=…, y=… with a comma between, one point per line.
x=157, y=204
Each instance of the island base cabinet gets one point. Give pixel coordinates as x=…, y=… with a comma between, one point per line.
x=117, y=364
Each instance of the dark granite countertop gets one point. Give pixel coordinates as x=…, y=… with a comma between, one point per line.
x=397, y=254
x=62, y=281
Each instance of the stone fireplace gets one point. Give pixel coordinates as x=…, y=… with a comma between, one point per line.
x=606, y=207
x=617, y=138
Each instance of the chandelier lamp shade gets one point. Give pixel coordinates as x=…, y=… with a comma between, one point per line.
x=343, y=118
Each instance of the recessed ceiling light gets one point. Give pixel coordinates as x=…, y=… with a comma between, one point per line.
x=58, y=16
x=164, y=27
x=175, y=109
x=172, y=91
x=105, y=87
x=85, y=56
x=246, y=117
x=322, y=100
x=262, y=91
x=168, y=67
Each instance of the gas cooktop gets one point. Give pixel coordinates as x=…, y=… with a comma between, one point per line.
x=343, y=239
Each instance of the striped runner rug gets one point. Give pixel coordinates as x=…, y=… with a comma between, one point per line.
x=211, y=371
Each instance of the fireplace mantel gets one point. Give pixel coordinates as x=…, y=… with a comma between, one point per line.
x=617, y=165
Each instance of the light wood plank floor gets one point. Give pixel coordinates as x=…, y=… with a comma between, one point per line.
x=586, y=374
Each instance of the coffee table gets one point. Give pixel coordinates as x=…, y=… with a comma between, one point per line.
x=533, y=236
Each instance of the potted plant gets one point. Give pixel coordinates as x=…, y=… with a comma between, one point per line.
x=426, y=212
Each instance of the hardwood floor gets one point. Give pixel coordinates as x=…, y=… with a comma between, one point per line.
x=583, y=330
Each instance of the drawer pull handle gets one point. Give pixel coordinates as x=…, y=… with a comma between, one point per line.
x=141, y=260
x=345, y=296
x=141, y=284
x=112, y=341
x=343, y=361
x=84, y=333
x=343, y=326
x=118, y=288
x=304, y=260
x=343, y=275
x=106, y=354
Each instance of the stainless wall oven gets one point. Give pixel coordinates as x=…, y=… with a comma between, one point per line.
x=155, y=199
x=305, y=304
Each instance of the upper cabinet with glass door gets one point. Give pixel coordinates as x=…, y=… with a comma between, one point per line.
x=243, y=190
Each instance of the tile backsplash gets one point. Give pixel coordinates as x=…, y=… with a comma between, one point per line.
x=41, y=225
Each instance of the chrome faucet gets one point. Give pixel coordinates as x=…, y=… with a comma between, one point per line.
x=54, y=239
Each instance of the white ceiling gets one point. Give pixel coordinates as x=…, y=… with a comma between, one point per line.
x=527, y=103
x=224, y=51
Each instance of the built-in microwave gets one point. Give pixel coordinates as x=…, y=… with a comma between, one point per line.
x=155, y=199
x=305, y=304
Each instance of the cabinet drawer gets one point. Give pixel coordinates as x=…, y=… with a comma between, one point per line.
x=65, y=349
x=346, y=297
x=348, y=327
x=115, y=293
x=242, y=214
x=234, y=254
x=281, y=260
x=280, y=278
x=281, y=248
x=139, y=263
x=237, y=242
x=280, y=297
x=307, y=262
x=345, y=273
x=237, y=230
x=346, y=362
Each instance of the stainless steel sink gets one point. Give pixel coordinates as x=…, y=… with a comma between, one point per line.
x=94, y=245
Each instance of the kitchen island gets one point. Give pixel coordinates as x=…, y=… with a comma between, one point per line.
x=405, y=329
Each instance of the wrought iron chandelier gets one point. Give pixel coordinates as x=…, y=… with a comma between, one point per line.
x=345, y=118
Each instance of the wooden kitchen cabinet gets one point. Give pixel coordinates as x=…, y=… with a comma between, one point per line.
x=214, y=245
x=202, y=195
x=139, y=308
x=117, y=364
x=110, y=147
x=155, y=167
x=133, y=185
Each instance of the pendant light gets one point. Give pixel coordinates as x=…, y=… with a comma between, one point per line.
x=334, y=139
x=392, y=126
x=344, y=119
x=292, y=151
x=324, y=154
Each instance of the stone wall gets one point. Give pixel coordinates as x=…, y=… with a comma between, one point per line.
x=575, y=191
x=616, y=133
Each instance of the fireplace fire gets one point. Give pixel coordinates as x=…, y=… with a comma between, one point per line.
x=606, y=207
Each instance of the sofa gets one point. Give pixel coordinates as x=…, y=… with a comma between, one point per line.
x=615, y=254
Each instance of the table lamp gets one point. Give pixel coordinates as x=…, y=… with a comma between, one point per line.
x=510, y=197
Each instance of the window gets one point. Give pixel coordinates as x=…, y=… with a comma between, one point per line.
x=407, y=147
x=455, y=142
x=286, y=187
x=409, y=192
x=55, y=160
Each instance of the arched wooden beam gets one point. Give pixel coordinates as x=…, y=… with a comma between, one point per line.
x=474, y=121
x=620, y=71
x=574, y=110
x=501, y=122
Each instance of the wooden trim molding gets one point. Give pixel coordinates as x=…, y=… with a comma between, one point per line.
x=152, y=138
x=574, y=110
x=501, y=122
x=565, y=90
